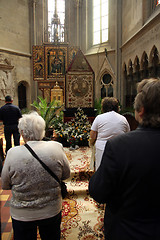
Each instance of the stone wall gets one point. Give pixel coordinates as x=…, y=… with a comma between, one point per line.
x=15, y=48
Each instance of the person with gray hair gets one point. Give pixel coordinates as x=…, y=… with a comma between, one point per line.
x=128, y=179
x=36, y=195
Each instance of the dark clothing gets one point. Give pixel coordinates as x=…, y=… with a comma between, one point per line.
x=1, y=155
x=49, y=229
x=10, y=115
x=128, y=181
x=8, y=131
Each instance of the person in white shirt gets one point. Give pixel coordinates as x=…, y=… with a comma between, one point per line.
x=107, y=125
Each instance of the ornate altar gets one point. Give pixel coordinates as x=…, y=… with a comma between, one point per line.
x=63, y=73
x=79, y=83
x=57, y=93
x=50, y=62
x=79, y=87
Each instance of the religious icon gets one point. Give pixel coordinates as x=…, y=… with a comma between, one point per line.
x=56, y=61
x=80, y=87
x=56, y=65
x=38, y=62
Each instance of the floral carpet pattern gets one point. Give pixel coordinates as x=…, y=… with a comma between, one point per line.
x=82, y=217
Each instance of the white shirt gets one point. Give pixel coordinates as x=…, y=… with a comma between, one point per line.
x=108, y=125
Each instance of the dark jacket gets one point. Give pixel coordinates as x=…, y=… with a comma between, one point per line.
x=128, y=181
x=10, y=114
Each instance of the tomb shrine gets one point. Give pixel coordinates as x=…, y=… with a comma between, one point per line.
x=63, y=73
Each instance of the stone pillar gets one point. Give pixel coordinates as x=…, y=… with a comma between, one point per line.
x=34, y=22
x=118, y=54
x=78, y=5
x=34, y=2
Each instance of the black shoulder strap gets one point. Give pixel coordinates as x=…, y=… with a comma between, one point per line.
x=42, y=163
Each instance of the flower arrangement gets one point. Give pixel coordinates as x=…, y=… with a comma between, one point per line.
x=76, y=131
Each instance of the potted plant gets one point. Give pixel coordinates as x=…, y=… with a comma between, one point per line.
x=50, y=112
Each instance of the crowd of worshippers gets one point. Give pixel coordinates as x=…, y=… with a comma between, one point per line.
x=126, y=170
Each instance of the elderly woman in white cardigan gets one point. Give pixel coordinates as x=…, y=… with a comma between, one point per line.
x=36, y=195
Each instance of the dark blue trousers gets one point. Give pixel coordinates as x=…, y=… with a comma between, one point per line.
x=49, y=229
x=8, y=132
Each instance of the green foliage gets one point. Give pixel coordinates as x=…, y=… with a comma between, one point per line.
x=25, y=110
x=97, y=105
x=128, y=110
x=48, y=111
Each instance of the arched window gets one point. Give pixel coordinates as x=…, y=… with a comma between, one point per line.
x=155, y=4
x=158, y=2
x=100, y=21
x=56, y=20
x=107, y=86
x=22, y=96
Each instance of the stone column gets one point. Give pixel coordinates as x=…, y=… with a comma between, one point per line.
x=35, y=85
x=78, y=4
x=118, y=54
x=34, y=22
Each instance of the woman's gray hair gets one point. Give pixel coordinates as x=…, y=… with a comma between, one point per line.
x=32, y=125
x=148, y=97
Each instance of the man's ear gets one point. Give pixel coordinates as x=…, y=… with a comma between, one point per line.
x=141, y=112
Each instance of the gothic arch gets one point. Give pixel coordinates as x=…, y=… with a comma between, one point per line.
x=131, y=77
x=154, y=56
x=107, y=83
x=124, y=68
x=22, y=94
x=107, y=71
x=136, y=64
x=130, y=67
x=144, y=66
x=124, y=83
x=154, y=63
x=144, y=61
x=137, y=75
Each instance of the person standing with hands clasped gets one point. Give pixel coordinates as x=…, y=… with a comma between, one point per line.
x=128, y=179
x=107, y=125
x=10, y=115
x=36, y=196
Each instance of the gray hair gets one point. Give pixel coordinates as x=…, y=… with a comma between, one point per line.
x=32, y=125
x=148, y=97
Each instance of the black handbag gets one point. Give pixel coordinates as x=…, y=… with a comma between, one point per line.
x=64, y=191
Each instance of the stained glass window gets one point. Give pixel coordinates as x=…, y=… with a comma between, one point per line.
x=56, y=20
x=100, y=21
x=158, y=2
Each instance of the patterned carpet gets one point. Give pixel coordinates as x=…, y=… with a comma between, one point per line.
x=82, y=217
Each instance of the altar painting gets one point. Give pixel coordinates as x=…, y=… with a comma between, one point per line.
x=79, y=92
x=72, y=51
x=38, y=63
x=56, y=61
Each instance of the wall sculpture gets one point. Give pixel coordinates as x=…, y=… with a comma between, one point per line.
x=7, y=84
